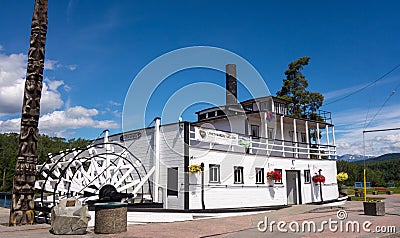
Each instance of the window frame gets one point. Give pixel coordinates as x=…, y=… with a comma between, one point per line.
x=258, y=131
x=260, y=175
x=279, y=181
x=307, y=179
x=173, y=185
x=212, y=168
x=238, y=179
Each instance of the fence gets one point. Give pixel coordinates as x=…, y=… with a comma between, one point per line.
x=5, y=199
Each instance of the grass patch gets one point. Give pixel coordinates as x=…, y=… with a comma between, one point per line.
x=351, y=190
x=369, y=199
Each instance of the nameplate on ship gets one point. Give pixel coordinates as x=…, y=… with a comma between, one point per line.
x=130, y=136
x=214, y=136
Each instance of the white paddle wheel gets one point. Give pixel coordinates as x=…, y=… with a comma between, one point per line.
x=81, y=173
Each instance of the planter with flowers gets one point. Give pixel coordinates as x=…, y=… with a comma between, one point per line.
x=318, y=178
x=194, y=172
x=274, y=176
x=341, y=177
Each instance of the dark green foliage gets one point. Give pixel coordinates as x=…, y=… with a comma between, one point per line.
x=304, y=103
x=9, y=150
x=378, y=173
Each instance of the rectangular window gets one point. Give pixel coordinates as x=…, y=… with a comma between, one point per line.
x=270, y=133
x=214, y=173
x=303, y=137
x=255, y=131
x=172, y=184
x=259, y=175
x=307, y=176
x=238, y=174
x=280, y=171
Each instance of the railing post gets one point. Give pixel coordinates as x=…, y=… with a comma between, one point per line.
x=282, y=138
x=318, y=142
x=327, y=141
x=307, y=141
x=334, y=141
x=296, y=149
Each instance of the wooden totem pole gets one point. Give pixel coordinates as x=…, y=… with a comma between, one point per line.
x=22, y=204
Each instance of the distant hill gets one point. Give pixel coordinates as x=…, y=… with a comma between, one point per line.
x=381, y=158
x=353, y=158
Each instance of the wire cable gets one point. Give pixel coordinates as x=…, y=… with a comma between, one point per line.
x=380, y=109
x=365, y=87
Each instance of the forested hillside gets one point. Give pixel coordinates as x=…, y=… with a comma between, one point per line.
x=9, y=150
x=379, y=173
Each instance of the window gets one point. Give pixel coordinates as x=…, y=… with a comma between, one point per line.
x=238, y=174
x=263, y=106
x=270, y=133
x=172, y=184
x=202, y=116
x=214, y=173
x=280, y=108
x=248, y=107
x=259, y=175
x=307, y=176
x=211, y=114
x=293, y=136
x=303, y=137
x=220, y=113
x=280, y=171
x=255, y=131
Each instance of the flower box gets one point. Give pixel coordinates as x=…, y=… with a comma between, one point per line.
x=318, y=178
x=274, y=176
x=374, y=208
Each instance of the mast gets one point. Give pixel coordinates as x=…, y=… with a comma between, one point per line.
x=22, y=205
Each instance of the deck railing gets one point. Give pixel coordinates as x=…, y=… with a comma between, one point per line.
x=268, y=147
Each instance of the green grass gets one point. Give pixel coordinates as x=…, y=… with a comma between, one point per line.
x=351, y=190
x=369, y=199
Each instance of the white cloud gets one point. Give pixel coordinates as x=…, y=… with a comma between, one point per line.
x=53, y=121
x=67, y=88
x=12, y=83
x=113, y=103
x=349, y=127
x=73, y=118
x=59, y=123
x=71, y=67
x=51, y=64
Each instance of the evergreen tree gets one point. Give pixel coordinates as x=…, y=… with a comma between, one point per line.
x=303, y=103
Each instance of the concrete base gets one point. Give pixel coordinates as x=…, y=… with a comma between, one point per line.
x=110, y=218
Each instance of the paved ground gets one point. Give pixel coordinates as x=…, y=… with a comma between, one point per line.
x=246, y=225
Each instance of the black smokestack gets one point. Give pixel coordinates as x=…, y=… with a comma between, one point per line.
x=231, y=84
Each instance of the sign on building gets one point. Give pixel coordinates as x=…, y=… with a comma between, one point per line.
x=214, y=136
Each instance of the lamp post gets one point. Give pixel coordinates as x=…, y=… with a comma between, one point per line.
x=203, y=206
x=320, y=185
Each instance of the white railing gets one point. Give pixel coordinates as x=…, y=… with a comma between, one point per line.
x=270, y=147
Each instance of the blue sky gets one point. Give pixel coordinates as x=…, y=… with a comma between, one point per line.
x=96, y=48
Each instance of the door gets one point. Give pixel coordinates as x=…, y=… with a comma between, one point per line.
x=292, y=188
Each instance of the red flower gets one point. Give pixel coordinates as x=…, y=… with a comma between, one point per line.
x=274, y=175
x=318, y=178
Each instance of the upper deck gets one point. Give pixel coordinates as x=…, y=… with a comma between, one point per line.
x=264, y=126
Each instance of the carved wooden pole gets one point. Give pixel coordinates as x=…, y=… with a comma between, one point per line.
x=22, y=204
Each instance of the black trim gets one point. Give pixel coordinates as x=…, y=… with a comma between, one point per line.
x=186, y=140
x=214, y=210
x=299, y=185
